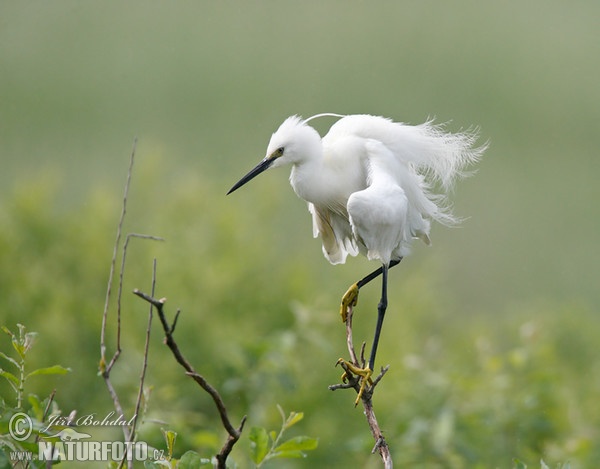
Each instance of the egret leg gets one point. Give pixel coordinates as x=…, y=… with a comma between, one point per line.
x=381, y=307
x=350, y=298
x=367, y=372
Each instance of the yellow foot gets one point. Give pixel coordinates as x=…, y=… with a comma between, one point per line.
x=350, y=299
x=364, y=373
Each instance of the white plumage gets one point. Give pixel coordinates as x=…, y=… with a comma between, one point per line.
x=369, y=182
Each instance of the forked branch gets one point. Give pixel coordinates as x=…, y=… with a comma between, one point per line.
x=107, y=362
x=233, y=433
x=352, y=381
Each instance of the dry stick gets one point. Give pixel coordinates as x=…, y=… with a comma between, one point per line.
x=367, y=397
x=132, y=433
x=233, y=433
x=145, y=362
x=120, y=289
x=104, y=368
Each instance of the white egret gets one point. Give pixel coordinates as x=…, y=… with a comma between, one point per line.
x=369, y=184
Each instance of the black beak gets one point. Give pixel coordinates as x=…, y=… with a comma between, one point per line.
x=259, y=168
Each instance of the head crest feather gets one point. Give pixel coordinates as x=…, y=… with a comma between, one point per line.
x=324, y=114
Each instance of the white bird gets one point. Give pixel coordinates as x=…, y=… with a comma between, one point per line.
x=369, y=184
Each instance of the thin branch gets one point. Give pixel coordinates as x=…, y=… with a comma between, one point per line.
x=349, y=340
x=145, y=360
x=114, y=260
x=354, y=382
x=120, y=291
x=104, y=369
x=233, y=433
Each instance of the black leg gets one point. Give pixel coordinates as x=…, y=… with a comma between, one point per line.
x=350, y=298
x=348, y=301
x=376, y=273
x=380, y=315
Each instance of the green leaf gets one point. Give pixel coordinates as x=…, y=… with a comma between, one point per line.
x=170, y=437
x=15, y=341
x=191, y=460
x=4, y=461
x=543, y=464
x=51, y=370
x=29, y=445
x=9, y=376
x=36, y=406
x=12, y=360
x=519, y=464
x=281, y=412
x=293, y=419
x=24, y=342
x=259, y=444
x=287, y=454
x=298, y=443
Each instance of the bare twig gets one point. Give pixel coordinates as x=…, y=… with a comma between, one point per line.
x=367, y=396
x=113, y=263
x=233, y=433
x=105, y=366
x=349, y=340
x=140, y=395
x=120, y=291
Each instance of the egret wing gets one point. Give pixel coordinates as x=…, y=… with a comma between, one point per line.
x=334, y=229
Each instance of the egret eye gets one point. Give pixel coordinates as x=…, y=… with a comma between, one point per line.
x=277, y=153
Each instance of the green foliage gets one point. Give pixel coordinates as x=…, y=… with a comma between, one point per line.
x=189, y=460
x=22, y=344
x=20, y=425
x=463, y=390
x=266, y=446
x=521, y=465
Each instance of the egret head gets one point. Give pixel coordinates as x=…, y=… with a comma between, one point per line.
x=293, y=143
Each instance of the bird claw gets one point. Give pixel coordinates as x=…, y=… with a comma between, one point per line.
x=364, y=375
x=349, y=300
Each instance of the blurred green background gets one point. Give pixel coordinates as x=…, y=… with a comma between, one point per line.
x=492, y=333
